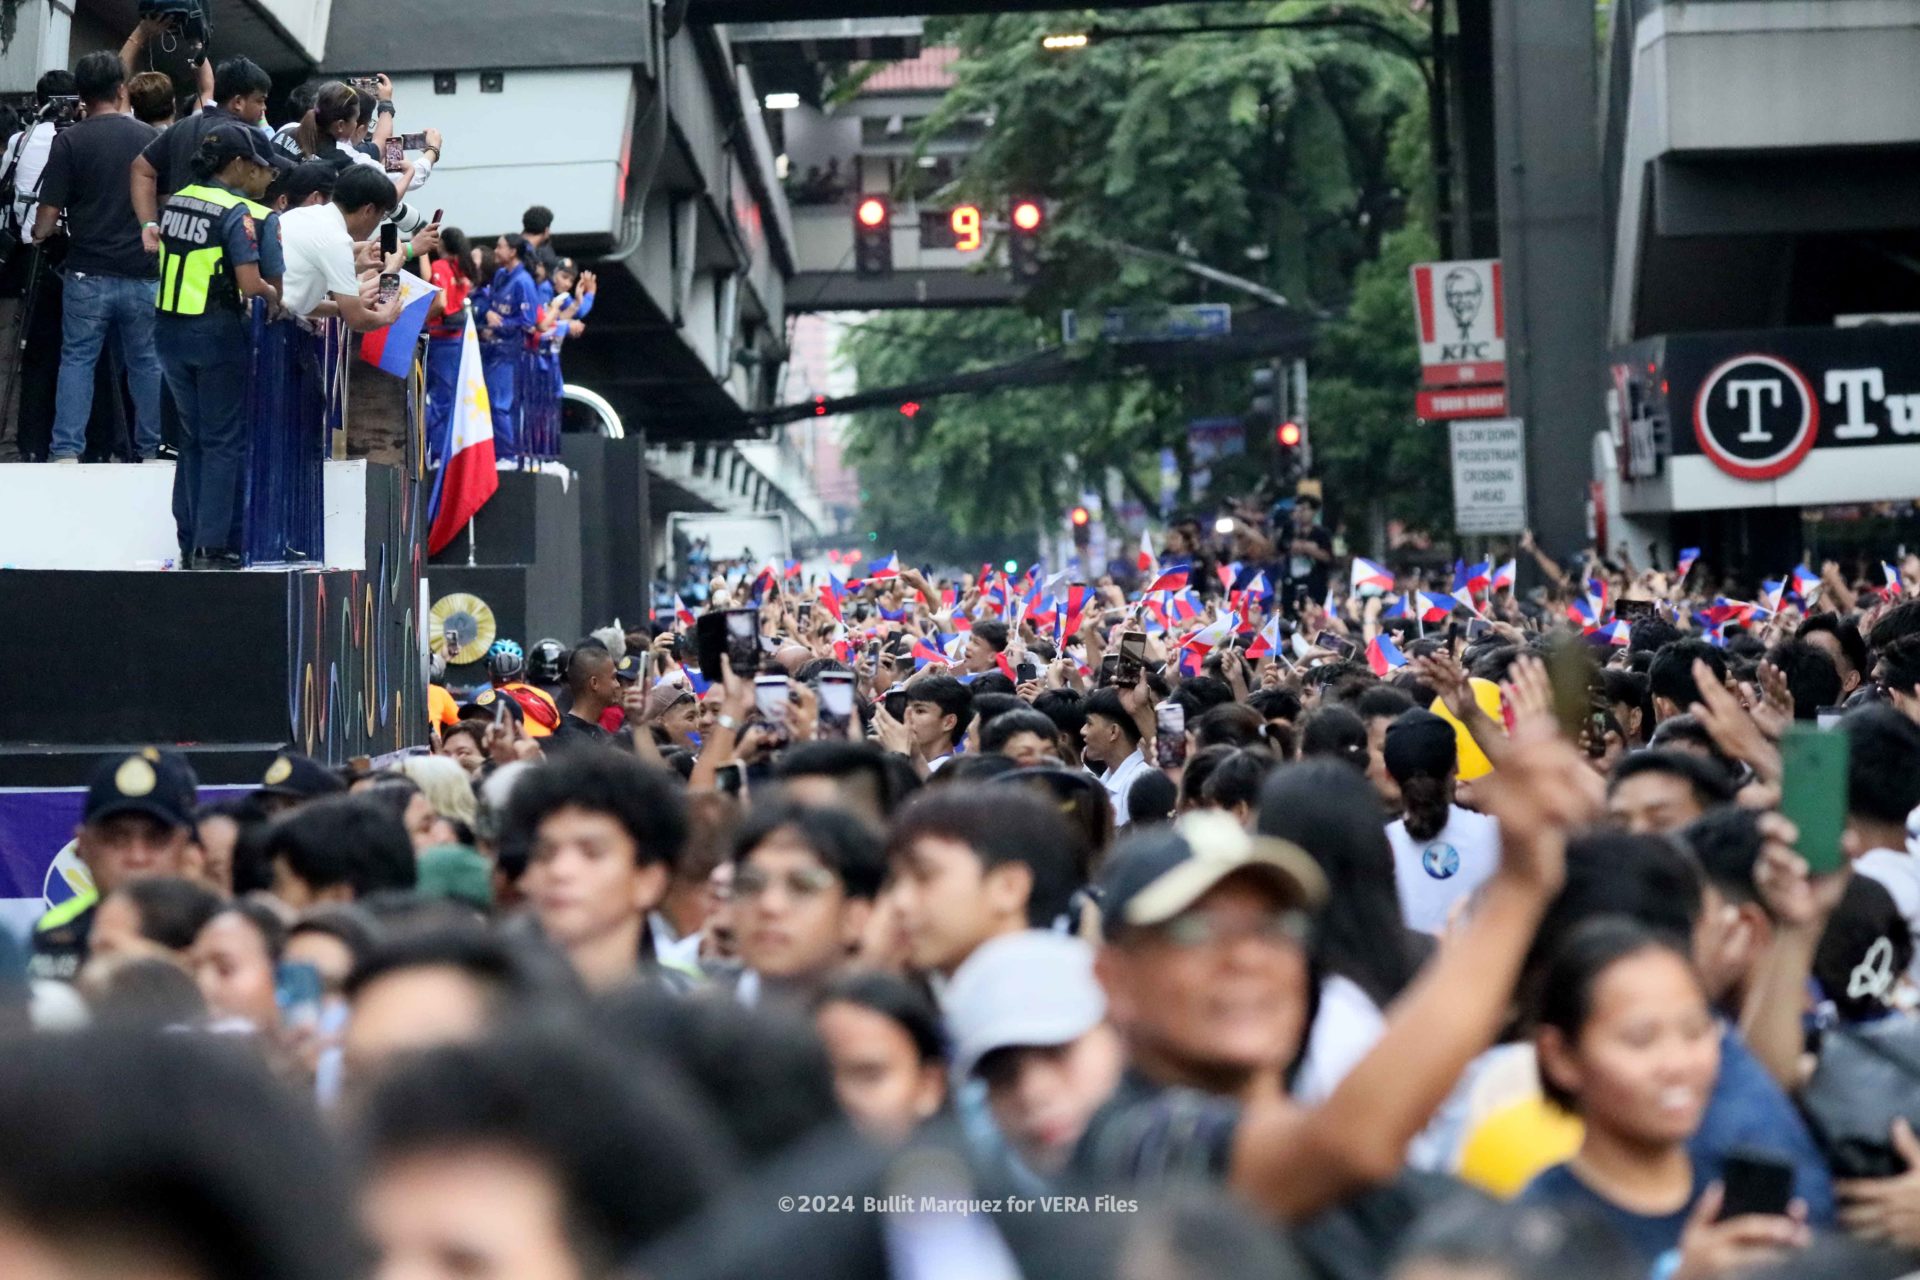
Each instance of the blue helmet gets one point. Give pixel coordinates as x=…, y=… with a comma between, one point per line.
x=505, y=660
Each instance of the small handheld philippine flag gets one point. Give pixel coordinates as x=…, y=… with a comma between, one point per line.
x=1383, y=655
x=1685, y=565
x=1173, y=578
x=1369, y=579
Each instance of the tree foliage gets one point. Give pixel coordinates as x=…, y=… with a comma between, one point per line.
x=1291, y=158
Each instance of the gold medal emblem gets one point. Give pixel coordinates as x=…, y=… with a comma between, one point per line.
x=279, y=771
x=135, y=777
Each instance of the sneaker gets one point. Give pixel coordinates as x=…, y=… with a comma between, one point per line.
x=216, y=558
x=74, y=461
x=166, y=453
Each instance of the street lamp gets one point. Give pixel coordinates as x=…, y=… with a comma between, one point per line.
x=1077, y=40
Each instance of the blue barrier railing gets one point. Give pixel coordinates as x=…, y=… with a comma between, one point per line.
x=296, y=401
x=537, y=402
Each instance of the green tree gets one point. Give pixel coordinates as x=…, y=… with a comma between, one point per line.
x=1292, y=158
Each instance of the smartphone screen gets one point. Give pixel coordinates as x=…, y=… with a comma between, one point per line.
x=450, y=643
x=1632, y=610
x=730, y=780
x=1133, y=647
x=389, y=239
x=896, y=703
x=770, y=699
x=1333, y=643
x=393, y=156
x=836, y=694
x=1170, y=735
x=297, y=990
x=1813, y=792
x=1478, y=628
x=1026, y=673
x=414, y=142
x=389, y=286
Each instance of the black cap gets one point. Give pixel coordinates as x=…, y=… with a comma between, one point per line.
x=299, y=776
x=1420, y=745
x=628, y=668
x=1154, y=876
x=486, y=701
x=229, y=141
x=158, y=783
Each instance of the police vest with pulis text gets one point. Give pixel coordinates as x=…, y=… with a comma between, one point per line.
x=194, y=272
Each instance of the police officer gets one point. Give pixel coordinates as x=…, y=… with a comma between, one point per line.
x=210, y=263
x=137, y=823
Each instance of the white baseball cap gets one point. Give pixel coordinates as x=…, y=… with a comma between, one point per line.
x=1028, y=988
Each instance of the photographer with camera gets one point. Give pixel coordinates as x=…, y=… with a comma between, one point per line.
x=109, y=276
x=170, y=27
x=30, y=314
x=240, y=91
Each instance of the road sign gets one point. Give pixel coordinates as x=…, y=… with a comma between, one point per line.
x=1462, y=322
x=1156, y=324
x=1464, y=402
x=1489, y=476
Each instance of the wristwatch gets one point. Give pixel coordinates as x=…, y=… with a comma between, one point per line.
x=384, y=108
x=727, y=722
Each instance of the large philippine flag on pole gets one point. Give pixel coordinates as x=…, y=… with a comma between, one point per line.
x=468, y=477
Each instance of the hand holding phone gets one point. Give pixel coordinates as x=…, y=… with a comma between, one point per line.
x=1813, y=793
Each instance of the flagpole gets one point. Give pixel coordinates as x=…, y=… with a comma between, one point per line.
x=470, y=542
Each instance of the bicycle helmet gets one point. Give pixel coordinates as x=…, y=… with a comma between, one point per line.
x=505, y=660
x=547, y=663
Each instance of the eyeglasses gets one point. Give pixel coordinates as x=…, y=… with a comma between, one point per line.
x=1200, y=929
x=804, y=885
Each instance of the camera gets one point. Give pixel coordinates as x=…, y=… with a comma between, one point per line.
x=61, y=110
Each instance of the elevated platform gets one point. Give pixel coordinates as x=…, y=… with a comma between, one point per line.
x=103, y=649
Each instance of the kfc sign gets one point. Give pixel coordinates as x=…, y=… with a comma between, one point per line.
x=1755, y=417
x=1462, y=322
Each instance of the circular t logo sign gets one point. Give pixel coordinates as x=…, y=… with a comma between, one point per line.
x=1756, y=417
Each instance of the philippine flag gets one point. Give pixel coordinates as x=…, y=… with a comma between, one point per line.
x=923, y=653
x=1146, y=560
x=1383, y=655
x=682, y=616
x=1369, y=579
x=467, y=478
x=1174, y=578
x=1772, y=590
x=1506, y=575
x=1581, y=614
x=391, y=347
x=1806, y=583
x=1268, y=641
x=1685, y=566
x=1892, y=576
x=880, y=570
x=1616, y=633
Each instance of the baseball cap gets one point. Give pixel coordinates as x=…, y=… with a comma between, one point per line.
x=1154, y=876
x=456, y=872
x=1027, y=988
x=158, y=783
x=628, y=669
x=300, y=776
x=486, y=701
x=229, y=141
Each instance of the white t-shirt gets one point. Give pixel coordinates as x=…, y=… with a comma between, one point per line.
x=1434, y=874
x=319, y=254
x=33, y=162
x=1345, y=1029
x=1119, y=780
x=1899, y=873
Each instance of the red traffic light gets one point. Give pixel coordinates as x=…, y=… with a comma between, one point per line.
x=819, y=406
x=872, y=212
x=910, y=408
x=1288, y=435
x=1027, y=215
x=1080, y=516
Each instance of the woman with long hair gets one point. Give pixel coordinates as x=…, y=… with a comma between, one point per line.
x=1363, y=954
x=1441, y=852
x=342, y=118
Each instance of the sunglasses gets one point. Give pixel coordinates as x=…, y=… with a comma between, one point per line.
x=750, y=883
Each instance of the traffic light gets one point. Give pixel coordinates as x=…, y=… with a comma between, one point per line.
x=1024, y=221
x=1288, y=435
x=1289, y=460
x=873, y=236
x=1263, y=400
x=1082, y=521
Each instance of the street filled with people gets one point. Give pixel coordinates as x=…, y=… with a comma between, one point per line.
x=1257, y=912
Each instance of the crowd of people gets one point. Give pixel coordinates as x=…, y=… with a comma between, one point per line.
x=1261, y=916
x=151, y=218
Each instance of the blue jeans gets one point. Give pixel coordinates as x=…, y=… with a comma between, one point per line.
x=96, y=306
x=206, y=359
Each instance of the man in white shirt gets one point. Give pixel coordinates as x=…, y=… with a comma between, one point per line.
x=1113, y=735
x=319, y=241
x=32, y=145
x=1441, y=852
x=939, y=709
